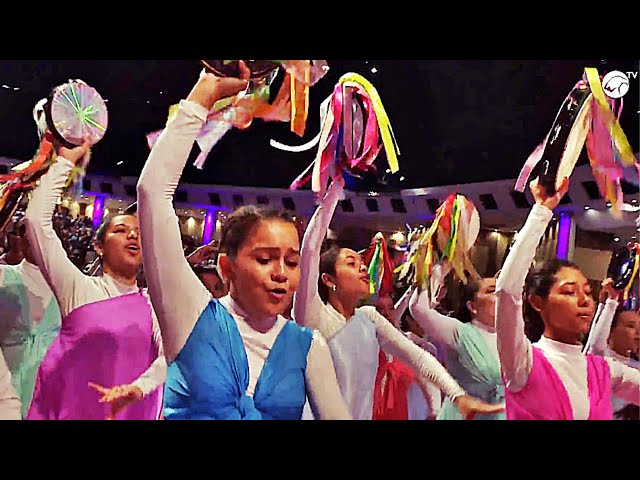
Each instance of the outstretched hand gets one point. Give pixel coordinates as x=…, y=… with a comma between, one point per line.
x=119, y=397
x=469, y=407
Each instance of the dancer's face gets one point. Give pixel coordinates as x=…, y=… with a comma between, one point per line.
x=568, y=311
x=483, y=305
x=384, y=305
x=266, y=270
x=120, y=247
x=625, y=336
x=351, y=278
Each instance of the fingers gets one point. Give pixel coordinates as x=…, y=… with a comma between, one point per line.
x=495, y=408
x=86, y=146
x=245, y=73
x=563, y=189
x=98, y=388
x=115, y=394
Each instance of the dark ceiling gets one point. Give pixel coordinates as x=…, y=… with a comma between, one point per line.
x=455, y=121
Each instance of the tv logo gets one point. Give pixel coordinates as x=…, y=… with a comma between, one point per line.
x=616, y=83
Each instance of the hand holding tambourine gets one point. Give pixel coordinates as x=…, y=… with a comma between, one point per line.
x=74, y=117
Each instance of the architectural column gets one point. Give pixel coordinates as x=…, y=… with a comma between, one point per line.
x=566, y=236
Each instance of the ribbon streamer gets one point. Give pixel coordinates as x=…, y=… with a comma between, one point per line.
x=290, y=105
x=380, y=268
x=444, y=246
x=352, y=121
x=598, y=128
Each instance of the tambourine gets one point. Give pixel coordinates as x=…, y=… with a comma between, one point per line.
x=623, y=268
x=75, y=112
x=230, y=68
x=566, y=139
x=353, y=120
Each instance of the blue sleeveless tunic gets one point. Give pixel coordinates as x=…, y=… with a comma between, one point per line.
x=208, y=380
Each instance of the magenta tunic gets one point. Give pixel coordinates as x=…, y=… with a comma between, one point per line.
x=109, y=343
x=544, y=397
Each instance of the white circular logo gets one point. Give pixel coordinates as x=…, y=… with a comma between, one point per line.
x=615, y=84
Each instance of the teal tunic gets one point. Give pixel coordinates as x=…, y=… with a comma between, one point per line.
x=23, y=341
x=477, y=369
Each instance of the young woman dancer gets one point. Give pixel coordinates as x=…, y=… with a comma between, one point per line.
x=397, y=395
x=552, y=379
x=616, y=334
x=29, y=319
x=109, y=340
x=236, y=357
x=470, y=341
x=333, y=284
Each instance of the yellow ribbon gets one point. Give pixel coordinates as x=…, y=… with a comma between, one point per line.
x=388, y=139
x=617, y=134
x=300, y=102
x=457, y=258
x=173, y=110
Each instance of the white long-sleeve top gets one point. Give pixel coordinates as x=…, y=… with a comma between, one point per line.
x=71, y=287
x=309, y=309
x=514, y=348
x=599, y=335
x=10, y=406
x=431, y=392
x=176, y=292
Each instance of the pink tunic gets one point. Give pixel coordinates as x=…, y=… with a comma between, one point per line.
x=544, y=396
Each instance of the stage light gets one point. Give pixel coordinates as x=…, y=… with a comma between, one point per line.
x=564, y=234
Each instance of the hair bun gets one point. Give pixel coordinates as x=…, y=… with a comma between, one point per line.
x=328, y=244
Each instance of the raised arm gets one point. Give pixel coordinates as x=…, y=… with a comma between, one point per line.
x=177, y=294
x=596, y=318
x=599, y=335
x=401, y=306
x=514, y=348
x=437, y=327
x=62, y=275
x=323, y=391
x=597, y=341
x=307, y=304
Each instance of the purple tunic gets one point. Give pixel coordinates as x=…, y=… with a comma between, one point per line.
x=109, y=343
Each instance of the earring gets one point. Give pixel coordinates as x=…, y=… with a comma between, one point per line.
x=334, y=288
